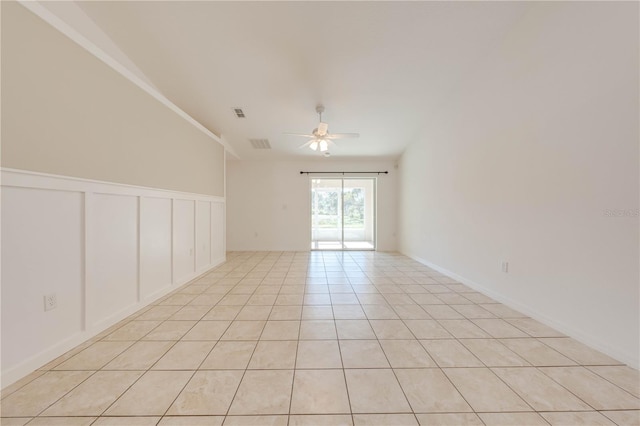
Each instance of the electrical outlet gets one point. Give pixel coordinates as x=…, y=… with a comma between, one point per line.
x=505, y=266
x=50, y=301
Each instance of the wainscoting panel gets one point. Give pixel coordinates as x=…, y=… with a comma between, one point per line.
x=218, y=232
x=155, y=246
x=113, y=257
x=184, y=241
x=203, y=234
x=103, y=249
x=42, y=249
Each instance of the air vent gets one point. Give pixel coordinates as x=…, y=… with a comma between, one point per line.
x=239, y=113
x=260, y=143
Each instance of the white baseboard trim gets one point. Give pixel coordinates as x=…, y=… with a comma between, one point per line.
x=633, y=360
x=35, y=362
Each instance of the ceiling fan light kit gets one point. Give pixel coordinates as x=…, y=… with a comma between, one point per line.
x=322, y=139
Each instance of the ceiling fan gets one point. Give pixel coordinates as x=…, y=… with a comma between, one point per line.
x=322, y=139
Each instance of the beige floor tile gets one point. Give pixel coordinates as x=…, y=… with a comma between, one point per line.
x=453, y=299
x=159, y=312
x=578, y=352
x=375, y=391
x=426, y=299
x=127, y=421
x=624, y=417
x=274, y=354
x=184, y=356
x=484, y=391
x=542, y=393
x=534, y=328
x=442, y=312
x=94, y=395
x=61, y=421
x=234, y=299
x=391, y=329
x=244, y=330
x=134, y=330
x=362, y=354
x=34, y=397
x=229, y=356
x=286, y=313
x=502, y=311
x=450, y=419
x=254, y=313
x=626, y=377
x=406, y=354
x=354, y=329
x=511, y=419
x=191, y=421
x=319, y=392
x=473, y=312
x=207, y=330
x=15, y=421
x=587, y=418
x=430, y=391
x=349, y=312
x=317, y=299
x=170, y=330
x=536, y=353
x=379, y=312
x=317, y=313
x=493, y=353
x=317, y=329
x=223, y=313
x=177, y=299
x=463, y=329
x=9, y=389
x=593, y=389
x=320, y=420
x=207, y=393
x=499, y=328
x=191, y=313
x=318, y=354
x=399, y=299
x=344, y=299
x=450, y=353
x=411, y=312
x=140, y=356
x=281, y=330
x=427, y=329
x=95, y=356
x=385, y=420
x=255, y=421
x=263, y=392
x=151, y=395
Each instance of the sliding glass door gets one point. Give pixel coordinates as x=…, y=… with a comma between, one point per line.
x=343, y=214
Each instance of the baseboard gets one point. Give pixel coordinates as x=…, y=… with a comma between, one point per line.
x=632, y=360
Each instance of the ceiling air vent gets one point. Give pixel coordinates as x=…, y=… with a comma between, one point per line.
x=238, y=112
x=260, y=143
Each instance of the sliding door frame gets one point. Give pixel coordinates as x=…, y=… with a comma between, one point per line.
x=374, y=211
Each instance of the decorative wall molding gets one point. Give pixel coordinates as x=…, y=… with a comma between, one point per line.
x=106, y=249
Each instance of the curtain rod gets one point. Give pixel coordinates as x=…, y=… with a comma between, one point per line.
x=345, y=173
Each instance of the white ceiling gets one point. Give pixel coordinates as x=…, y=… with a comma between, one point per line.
x=381, y=69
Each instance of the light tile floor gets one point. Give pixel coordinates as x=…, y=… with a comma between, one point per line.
x=327, y=338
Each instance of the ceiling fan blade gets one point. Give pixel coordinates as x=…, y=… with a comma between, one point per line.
x=342, y=135
x=306, y=144
x=299, y=134
x=322, y=128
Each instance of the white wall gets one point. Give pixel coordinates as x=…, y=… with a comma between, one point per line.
x=268, y=202
x=104, y=249
x=523, y=164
